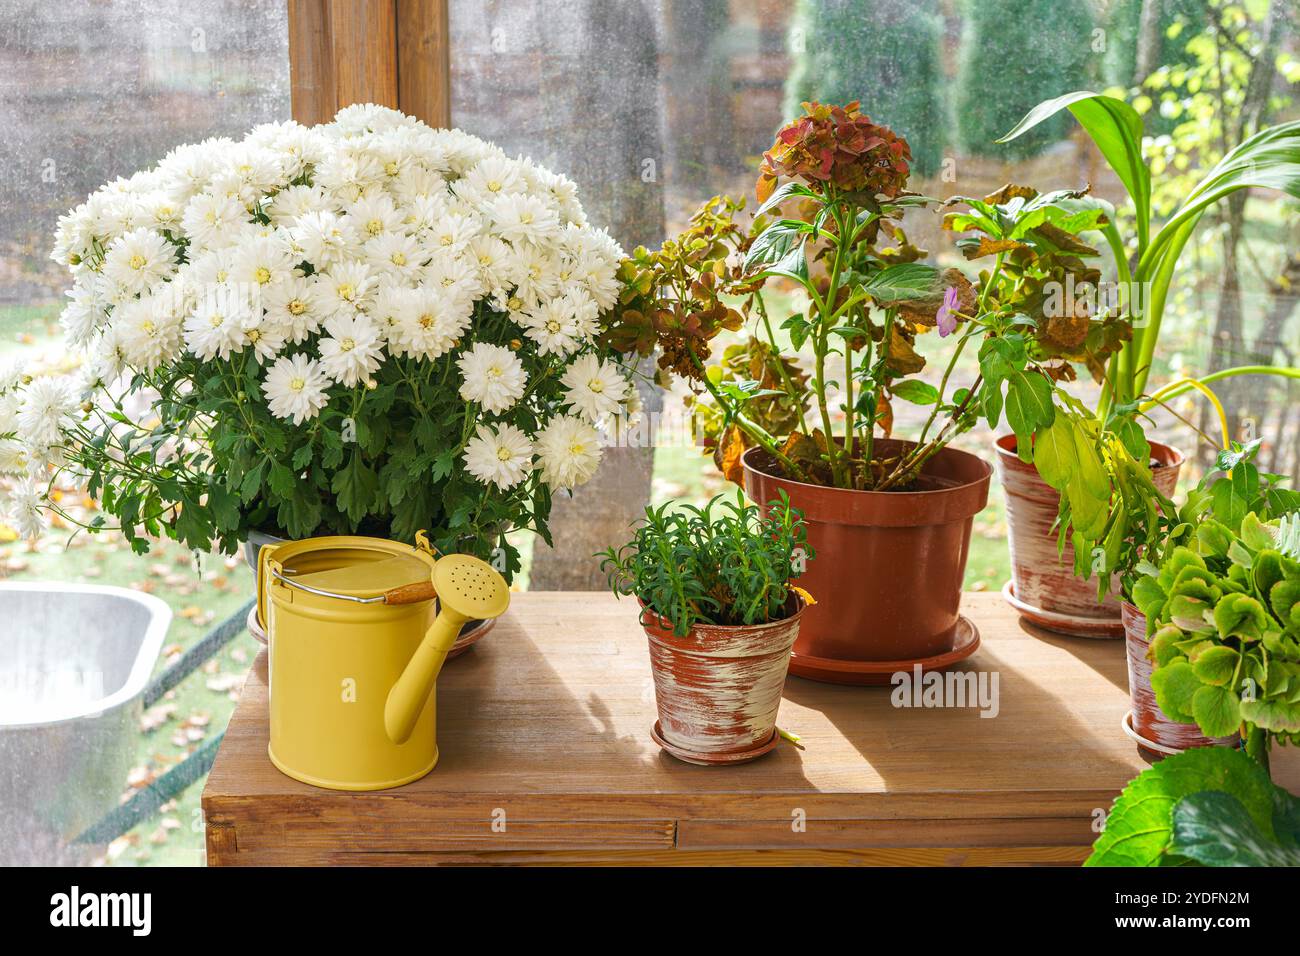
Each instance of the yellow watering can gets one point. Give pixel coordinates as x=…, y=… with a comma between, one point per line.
x=358, y=629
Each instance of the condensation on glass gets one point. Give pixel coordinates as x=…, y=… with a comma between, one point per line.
x=655, y=105
x=93, y=91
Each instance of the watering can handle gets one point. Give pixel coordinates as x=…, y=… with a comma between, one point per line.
x=411, y=692
x=411, y=593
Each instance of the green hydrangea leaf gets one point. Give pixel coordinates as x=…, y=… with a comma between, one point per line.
x=1215, y=829
x=1149, y=596
x=1216, y=665
x=1175, y=685
x=1139, y=828
x=1217, y=710
x=1240, y=615
x=1272, y=714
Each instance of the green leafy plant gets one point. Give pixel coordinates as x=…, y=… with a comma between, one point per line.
x=727, y=563
x=1109, y=517
x=1269, y=159
x=1209, y=806
x=832, y=229
x=1223, y=608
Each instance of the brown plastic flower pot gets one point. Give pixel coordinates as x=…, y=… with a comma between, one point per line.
x=889, y=565
x=1155, y=733
x=1043, y=585
x=718, y=688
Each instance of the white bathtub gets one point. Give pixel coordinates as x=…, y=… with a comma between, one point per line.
x=74, y=662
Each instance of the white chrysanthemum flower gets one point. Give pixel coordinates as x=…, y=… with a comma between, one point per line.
x=210, y=221
x=289, y=205
x=13, y=457
x=494, y=176
x=13, y=453
x=429, y=322
x=262, y=260
x=264, y=336
x=324, y=238
x=519, y=218
x=347, y=286
x=149, y=331
x=569, y=451
x=298, y=305
x=107, y=357
x=376, y=215
x=586, y=313
x=562, y=191
x=537, y=274
x=352, y=349
x=553, y=326
x=26, y=505
x=295, y=388
x=594, y=388
x=49, y=403
x=491, y=255
x=396, y=255
x=138, y=259
x=502, y=457
x=83, y=314
x=216, y=327
x=492, y=376
x=453, y=275
x=12, y=372
x=454, y=232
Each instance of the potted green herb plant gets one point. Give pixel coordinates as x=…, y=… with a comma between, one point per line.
x=1101, y=466
x=890, y=517
x=721, y=616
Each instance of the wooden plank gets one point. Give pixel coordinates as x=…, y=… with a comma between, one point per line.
x=920, y=856
x=546, y=721
x=312, y=94
x=424, y=61
x=341, y=52
x=364, y=34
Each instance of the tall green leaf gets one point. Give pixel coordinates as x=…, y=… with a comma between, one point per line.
x=1116, y=128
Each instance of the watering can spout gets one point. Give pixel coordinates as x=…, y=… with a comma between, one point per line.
x=468, y=589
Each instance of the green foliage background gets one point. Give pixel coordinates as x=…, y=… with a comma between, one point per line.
x=884, y=53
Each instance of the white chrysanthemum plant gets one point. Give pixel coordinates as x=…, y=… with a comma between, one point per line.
x=366, y=326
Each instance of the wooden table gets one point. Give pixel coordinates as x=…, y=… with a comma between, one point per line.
x=546, y=757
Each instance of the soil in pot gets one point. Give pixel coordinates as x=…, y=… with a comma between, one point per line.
x=718, y=689
x=1149, y=724
x=889, y=565
x=1043, y=586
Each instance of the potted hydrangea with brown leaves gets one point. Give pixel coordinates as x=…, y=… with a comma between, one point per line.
x=890, y=515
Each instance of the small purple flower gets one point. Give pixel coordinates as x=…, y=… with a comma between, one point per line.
x=946, y=318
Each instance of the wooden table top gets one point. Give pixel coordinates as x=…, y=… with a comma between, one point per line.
x=546, y=756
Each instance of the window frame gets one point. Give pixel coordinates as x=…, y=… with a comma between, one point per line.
x=391, y=52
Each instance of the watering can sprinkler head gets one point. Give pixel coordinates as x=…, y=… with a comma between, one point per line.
x=468, y=589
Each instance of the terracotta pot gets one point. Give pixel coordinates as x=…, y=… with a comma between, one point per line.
x=718, y=689
x=1155, y=734
x=888, y=567
x=1043, y=586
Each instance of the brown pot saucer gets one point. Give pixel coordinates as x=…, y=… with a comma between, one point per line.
x=714, y=760
x=1069, y=625
x=876, y=673
x=1150, y=750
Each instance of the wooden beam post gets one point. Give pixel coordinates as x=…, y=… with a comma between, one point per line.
x=424, y=60
x=341, y=52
